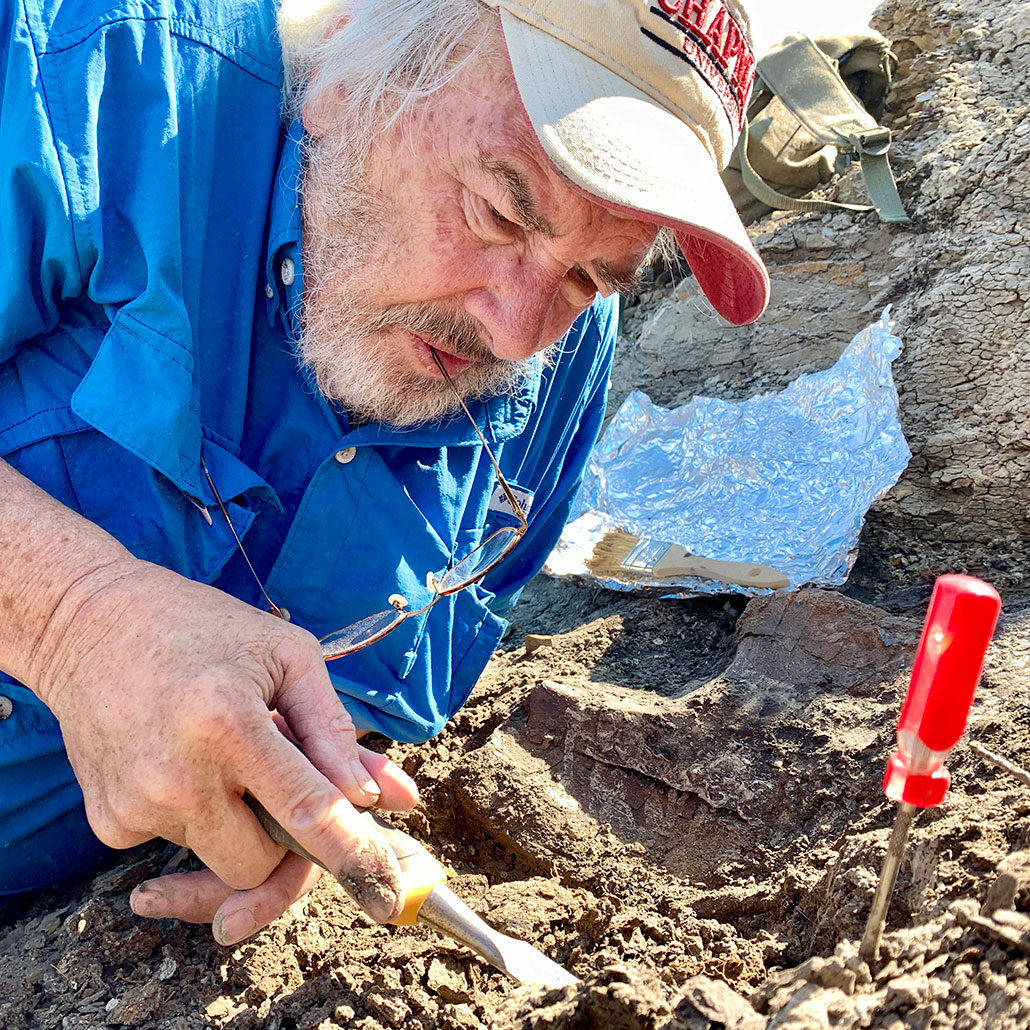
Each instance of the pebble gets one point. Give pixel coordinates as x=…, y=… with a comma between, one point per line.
x=388, y=1009
x=860, y=968
x=446, y=977
x=535, y=641
x=138, y=1005
x=49, y=923
x=907, y=991
x=463, y=1017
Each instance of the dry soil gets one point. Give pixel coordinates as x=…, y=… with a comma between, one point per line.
x=680, y=800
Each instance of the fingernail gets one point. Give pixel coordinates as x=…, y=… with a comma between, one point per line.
x=234, y=927
x=148, y=900
x=364, y=779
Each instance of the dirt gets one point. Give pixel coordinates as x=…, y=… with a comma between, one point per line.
x=680, y=801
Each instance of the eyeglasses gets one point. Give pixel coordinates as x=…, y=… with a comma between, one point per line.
x=470, y=569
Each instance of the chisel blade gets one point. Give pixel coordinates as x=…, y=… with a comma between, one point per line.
x=444, y=911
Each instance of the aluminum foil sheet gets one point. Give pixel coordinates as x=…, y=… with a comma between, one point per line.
x=782, y=479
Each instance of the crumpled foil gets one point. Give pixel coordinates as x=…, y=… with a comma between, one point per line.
x=783, y=479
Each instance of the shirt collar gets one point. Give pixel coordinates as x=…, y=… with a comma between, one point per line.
x=499, y=419
x=283, y=292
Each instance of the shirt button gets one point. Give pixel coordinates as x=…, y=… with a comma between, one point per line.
x=269, y=292
x=346, y=456
x=286, y=271
x=6, y=708
x=285, y=613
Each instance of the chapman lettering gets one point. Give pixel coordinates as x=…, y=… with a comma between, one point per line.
x=715, y=45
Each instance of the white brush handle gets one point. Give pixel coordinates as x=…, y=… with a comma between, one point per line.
x=677, y=562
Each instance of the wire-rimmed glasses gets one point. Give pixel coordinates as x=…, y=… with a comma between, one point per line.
x=463, y=573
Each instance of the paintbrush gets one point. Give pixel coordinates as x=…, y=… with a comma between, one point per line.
x=620, y=555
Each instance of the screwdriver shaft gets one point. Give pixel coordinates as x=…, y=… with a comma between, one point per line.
x=869, y=949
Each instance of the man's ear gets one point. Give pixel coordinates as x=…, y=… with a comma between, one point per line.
x=320, y=113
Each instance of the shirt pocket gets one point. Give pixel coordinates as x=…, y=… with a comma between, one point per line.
x=467, y=541
x=453, y=645
x=142, y=509
x=476, y=635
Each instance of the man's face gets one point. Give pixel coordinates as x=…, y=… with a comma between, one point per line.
x=456, y=233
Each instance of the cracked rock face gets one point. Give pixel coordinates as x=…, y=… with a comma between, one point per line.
x=957, y=280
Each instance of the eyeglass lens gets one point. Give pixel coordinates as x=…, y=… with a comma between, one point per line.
x=477, y=564
x=471, y=568
x=361, y=634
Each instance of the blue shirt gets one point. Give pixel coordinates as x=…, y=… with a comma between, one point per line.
x=148, y=201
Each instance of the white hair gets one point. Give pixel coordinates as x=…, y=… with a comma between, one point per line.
x=384, y=56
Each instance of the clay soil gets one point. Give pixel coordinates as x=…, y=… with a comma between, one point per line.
x=678, y=800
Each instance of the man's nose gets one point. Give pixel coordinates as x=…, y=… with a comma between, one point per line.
x=522, y=315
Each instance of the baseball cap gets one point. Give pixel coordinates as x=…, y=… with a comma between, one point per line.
x=640, y=103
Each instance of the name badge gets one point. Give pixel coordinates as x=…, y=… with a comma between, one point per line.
x=499, y=503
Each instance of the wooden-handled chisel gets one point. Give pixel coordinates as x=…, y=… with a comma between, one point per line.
x=428, y=900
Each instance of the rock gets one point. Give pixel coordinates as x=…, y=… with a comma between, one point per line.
x=820, y=636
x=167, y=968
x=705, y=1001
x=1013, y=876
x=388, y=1009
x=220, y=1008
x=50, y=922
x=535, y=641
x=139, y=1004
x=806, y=1009
x=446, y=976
x=828, y=973
x=815, y=1008
x=907, y=991
x=461, y=1017
x=693, y=778
x=1006, y=926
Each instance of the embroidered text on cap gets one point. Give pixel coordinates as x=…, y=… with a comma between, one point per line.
x=715, y=46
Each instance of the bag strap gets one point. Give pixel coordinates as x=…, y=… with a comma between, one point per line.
x=808, y=83
x=765, y=193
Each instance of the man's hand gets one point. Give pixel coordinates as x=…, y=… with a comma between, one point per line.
x=174, y=699
x=201, y=897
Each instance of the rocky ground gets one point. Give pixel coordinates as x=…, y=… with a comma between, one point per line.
x=680, y=800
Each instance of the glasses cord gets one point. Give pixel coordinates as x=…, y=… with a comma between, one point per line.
x=272, y=606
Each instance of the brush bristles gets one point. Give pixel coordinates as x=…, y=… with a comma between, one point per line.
x=610, y=554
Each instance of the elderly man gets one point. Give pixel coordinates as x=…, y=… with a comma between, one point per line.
x=255, y=371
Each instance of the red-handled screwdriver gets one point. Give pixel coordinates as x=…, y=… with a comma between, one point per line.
x=959, y=625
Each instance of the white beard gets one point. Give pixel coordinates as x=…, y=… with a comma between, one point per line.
x=344, y=341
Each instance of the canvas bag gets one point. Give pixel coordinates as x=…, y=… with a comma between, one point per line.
x=814, y=110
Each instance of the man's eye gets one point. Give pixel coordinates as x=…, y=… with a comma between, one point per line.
x=493, y=226
x=584, y=277
x=499, y=218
